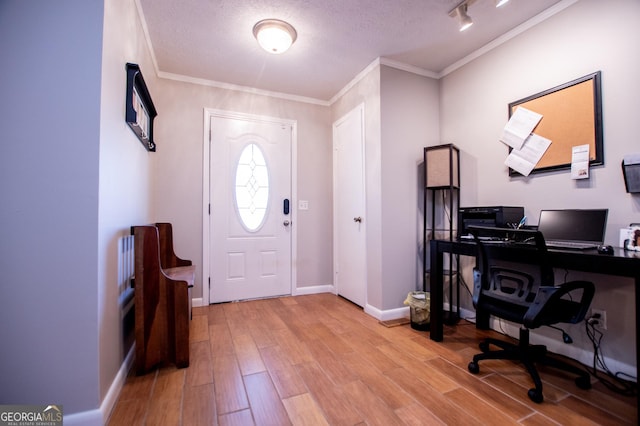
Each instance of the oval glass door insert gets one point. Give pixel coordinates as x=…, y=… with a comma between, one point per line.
x=252, y=187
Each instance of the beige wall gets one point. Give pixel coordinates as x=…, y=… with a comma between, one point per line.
x=401, y=117
x=125, y=169
x=178, y=170
x=410, y=121
x=590, y=35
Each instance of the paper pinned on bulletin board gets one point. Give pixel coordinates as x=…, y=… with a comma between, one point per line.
x=580, y=162
x=524, y=160
x=519, y=127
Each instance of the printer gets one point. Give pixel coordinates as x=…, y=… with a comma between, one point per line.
x=498, y=216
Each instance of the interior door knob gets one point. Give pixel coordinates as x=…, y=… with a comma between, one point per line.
x=286, y=223
x=357, y=219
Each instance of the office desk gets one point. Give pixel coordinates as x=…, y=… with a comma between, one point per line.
x=621, y=263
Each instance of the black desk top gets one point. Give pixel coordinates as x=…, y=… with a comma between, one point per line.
x=620, y=263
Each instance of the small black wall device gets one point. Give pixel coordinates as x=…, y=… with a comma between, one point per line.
x=499, y=216
x=631, y=174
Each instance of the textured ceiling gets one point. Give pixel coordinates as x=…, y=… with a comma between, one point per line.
x=213, y=40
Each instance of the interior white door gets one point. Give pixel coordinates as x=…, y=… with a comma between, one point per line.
x=349, y=207
x=250, y=195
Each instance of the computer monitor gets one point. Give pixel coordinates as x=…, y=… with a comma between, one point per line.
x=588, y=225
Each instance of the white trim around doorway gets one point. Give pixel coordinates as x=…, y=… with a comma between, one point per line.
x=206, y=152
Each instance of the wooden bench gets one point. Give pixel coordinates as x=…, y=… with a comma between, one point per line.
x=162, y=299
x=172, y=265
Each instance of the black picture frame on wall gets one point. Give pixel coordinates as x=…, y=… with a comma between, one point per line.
x=571, y=115
x=140, y=111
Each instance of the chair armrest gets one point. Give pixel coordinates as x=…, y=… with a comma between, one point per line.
x=549, y=307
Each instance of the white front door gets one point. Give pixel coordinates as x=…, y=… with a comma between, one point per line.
x=251, y=209
x=349, y=207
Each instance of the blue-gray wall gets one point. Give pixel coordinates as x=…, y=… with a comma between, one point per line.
x=49, y=127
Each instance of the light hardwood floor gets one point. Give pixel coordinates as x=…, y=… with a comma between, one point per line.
x=320, y=360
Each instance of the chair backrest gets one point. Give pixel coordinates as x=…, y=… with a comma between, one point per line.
x=514, y=280
x=506, y=281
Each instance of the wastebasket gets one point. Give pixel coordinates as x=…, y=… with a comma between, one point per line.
x=420, y=312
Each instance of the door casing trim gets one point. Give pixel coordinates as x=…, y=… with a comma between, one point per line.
x=360, y=110
x=209, y=113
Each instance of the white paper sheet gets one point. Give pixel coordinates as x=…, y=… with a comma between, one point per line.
x=580, y=162
x=519, y=127
x=524, y=160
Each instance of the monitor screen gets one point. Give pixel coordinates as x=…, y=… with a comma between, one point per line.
x=573, y=225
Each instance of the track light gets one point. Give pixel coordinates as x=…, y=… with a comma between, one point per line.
x=460, y=13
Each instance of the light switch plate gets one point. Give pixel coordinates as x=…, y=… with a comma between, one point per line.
x=303, y=205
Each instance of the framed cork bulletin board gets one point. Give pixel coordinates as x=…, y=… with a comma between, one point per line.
x=571, y=115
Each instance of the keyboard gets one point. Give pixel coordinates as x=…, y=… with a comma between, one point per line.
x=471, y=238
x=571, y=245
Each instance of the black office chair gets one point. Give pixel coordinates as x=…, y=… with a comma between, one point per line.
x=518, y=286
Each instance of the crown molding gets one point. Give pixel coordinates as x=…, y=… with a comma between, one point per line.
x=543, y=16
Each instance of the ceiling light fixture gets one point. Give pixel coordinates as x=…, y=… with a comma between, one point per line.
x=460, y=13
x=500, y=2
x=274, y=36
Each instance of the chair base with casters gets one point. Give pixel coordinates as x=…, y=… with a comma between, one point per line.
x=529, y=355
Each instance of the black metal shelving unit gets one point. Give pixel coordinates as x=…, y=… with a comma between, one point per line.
x=442, y=191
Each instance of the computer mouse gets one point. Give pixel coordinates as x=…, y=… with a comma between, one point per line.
x=605, y=249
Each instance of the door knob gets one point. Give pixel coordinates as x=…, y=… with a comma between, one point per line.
x=286, y=223
x=357, y=219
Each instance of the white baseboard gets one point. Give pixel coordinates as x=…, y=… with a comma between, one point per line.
x=388, y=314
x=391, y=314
x=199, y=301
x=99, y=416
x=403, y=312
x=467, y=314
x=317, y=289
